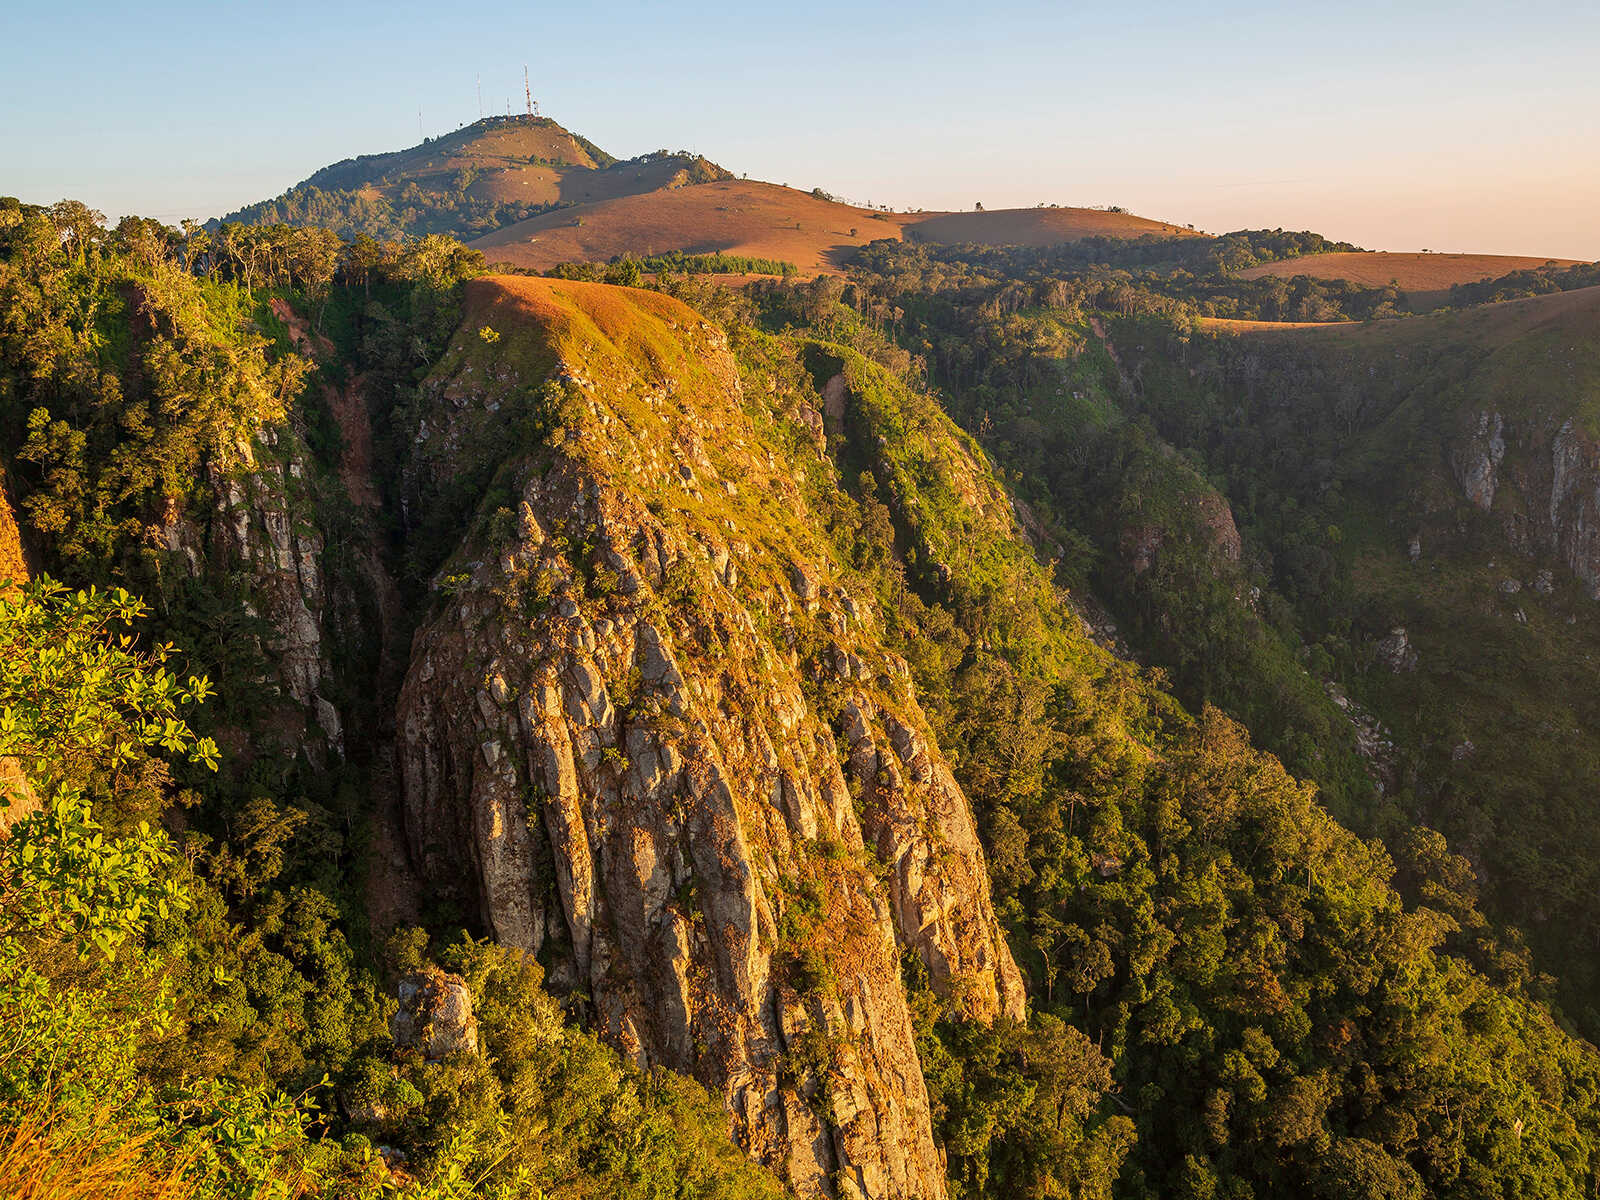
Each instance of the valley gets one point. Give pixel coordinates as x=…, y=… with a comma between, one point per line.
x=574, y=676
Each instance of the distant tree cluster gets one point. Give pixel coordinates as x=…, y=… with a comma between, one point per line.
x=1179, y=277
x=1520, y=284
x=628, y=270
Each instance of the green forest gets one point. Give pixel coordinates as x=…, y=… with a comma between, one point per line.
x=1253, y=969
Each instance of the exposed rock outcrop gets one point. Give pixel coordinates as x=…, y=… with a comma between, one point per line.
x=1396, y=653
x=1548, y=481
x=265, y=521
x=435, y=1015
x=1476, y=459
x=261, y=526
x=649, y=734
x=1574, y=512
x=1181, y=510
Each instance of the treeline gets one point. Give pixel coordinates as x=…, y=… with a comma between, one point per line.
x=1113, y=279
x=413, y=211
x=628, y=269
x=1518, y=285
x=1199, y=255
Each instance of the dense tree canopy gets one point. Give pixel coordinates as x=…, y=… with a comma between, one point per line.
x=1233, y=994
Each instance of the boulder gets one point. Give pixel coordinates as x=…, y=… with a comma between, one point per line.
x=435, y=1015
x=1396, y=651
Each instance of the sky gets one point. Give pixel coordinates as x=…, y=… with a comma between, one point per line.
x=1397, y=126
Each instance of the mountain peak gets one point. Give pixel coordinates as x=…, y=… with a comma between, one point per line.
x=490, y=143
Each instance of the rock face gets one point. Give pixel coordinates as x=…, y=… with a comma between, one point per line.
x=263, y=525
x=649, y=734
x=1476, y=459
x=1396, y=652
x=1574, y=513
x=1548, y=481
x=256, y=528
x=1194, y=514
x=435, y=1015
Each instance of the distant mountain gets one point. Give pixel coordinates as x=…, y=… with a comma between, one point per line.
x=491, y=173
x=531, y=194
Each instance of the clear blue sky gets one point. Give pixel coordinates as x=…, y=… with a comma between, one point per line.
x=1466, y=126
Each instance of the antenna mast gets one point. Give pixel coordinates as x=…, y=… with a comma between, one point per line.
x=527, y=91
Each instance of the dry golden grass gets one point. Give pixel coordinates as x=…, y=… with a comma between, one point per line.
x=577, y=321
x=574, y=185
x=556, y=303
x=734, y=217
x=37, y=1163
x=1425, y=278
x=501, y=156
x=13, y=561
x=1488, y=324
x=765, y=220
x=1038, y=226
x=489, y=149
x=1230, y=325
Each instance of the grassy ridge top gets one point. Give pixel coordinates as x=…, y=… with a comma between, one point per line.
x=767, y=220
x=1487, y=324
x=630, y=321
x=1426, y=278
x=1038, y=226
x=745, y=217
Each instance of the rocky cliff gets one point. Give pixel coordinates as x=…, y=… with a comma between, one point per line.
x=262, y=527
x=1553, y=504
x=649, y=732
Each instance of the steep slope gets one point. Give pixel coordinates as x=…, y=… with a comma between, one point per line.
x=715, y=630
x=248, y=515
x=1178, y=819
x=649, y=734
x=494, y=171
x=1459, y=460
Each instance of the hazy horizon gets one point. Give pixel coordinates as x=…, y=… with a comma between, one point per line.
x=1449, y=129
